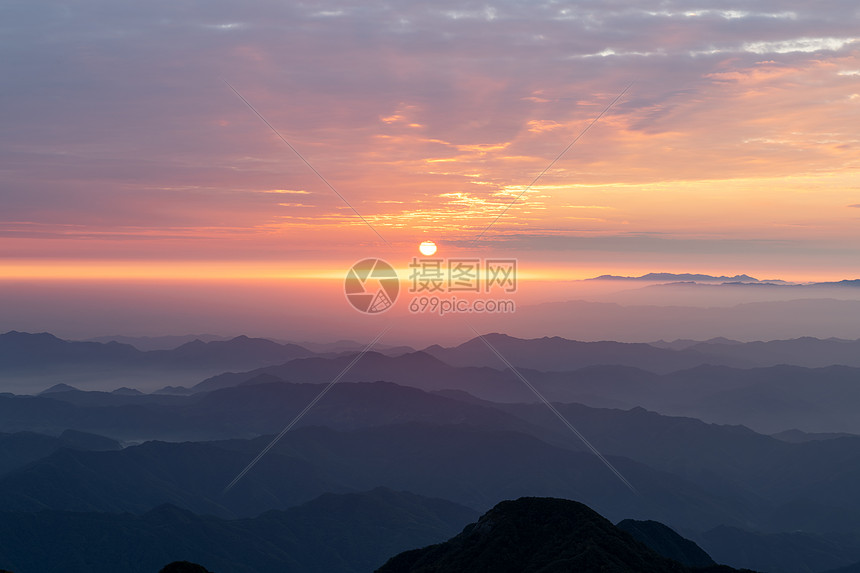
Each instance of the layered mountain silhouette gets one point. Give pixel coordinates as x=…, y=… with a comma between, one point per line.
x=243, y=411
x=66, y=363
x=752, y=478
x=768, y=399
x=347, y=533
x=540, y=535
x=21, y=350
x=685, y=422
x=560, y=354
x=26, y=357
x=466, y=465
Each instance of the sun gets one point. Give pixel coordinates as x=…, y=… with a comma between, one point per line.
x=427, y=248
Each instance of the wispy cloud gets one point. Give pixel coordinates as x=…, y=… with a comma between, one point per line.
x=426, y=116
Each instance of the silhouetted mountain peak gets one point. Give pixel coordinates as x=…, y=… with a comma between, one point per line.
x=535, y=534
x=62, y=387
x=493, y=336
x=196, y=343
x=723, y=340
x=124, y=391
x=418, y=357
x=31, y=336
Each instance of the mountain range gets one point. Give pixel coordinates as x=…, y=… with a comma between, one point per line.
x=29, y=359
x=348, y=533
x=685, y=423
x=672, y=277
x=704, y=480
x=769, y=399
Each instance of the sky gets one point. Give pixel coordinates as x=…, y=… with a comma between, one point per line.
x=127, y=153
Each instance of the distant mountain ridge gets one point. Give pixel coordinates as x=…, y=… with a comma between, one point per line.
x=167, y=342
x=22, y=349
x=67, y=363
x=675, y=277
x=737, y=279
x=26, y=354
x=29, y=356
x=562, y=354
x=719, y=381
x=559, y=354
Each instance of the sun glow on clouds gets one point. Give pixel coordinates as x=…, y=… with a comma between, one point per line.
x=740, y=124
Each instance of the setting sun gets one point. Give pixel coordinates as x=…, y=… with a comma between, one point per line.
x=427, y=248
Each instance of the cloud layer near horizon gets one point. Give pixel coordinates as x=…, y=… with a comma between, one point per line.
x=122, y=140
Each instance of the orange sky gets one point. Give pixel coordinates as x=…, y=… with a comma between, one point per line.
x=125, y=155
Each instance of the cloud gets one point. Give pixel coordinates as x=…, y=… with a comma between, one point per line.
x=421, y=114
x=798, y=45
